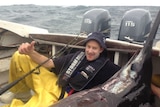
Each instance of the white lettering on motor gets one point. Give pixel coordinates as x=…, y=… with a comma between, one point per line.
x=130, y=24
x=88, y=21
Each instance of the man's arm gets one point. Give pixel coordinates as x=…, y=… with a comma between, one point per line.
x=29, y=49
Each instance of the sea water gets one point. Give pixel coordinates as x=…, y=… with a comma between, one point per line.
x=60, y=19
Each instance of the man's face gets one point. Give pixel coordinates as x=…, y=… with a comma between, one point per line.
x=92, y=50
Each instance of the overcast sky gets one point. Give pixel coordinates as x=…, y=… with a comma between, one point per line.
x=84, y=2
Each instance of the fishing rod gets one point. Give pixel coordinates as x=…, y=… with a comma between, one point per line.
x=62, y=50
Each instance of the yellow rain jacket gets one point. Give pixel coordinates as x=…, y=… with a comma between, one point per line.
x=46, y=91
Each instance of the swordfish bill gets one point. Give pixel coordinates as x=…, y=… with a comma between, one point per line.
x=129, y=87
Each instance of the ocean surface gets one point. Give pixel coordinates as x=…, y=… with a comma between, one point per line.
x=59, y=19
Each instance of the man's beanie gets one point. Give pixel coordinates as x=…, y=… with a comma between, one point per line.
x=97, y=36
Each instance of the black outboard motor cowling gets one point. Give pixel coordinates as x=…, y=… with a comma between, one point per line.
x=96, y=20
x=135, y=26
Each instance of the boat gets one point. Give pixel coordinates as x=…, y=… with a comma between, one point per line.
x=11, y=36
x=132, y=35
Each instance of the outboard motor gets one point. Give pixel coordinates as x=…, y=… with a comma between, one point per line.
x=96, y=20
x=135, y=26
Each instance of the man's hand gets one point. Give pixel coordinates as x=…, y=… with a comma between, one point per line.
x=27, y=48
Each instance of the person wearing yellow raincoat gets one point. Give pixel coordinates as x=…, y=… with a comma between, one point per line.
x=91, y=67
